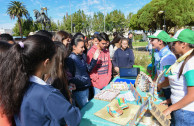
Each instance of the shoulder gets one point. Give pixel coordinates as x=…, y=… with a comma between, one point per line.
x=169, y=59
x=189, y=65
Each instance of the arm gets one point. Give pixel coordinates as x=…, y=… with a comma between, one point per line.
x=93, y=62
x=189, y=97
x=164, y=83
x=60, y=109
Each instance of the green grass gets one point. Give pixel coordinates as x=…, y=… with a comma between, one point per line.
x=142, y=58
x=139, y=44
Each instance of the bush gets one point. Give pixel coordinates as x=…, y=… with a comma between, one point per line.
x=138, y=37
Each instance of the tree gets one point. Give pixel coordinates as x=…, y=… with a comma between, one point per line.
x=116, y=19
x=176, y=12
x=17, y=9
x=98, y=22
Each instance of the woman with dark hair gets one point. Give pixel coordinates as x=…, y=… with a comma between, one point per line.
x=4, y=119
x=115, y=44
x=58, y=75
x=24, y=94
x=80, y=69
x=181, y=79
x=62, y=36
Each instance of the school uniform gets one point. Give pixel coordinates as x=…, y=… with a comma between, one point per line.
x=179, y=90
x=43, y=105
x=167, y=58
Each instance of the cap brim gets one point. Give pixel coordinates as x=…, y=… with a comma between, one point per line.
x=152, y=36
x=172, y=40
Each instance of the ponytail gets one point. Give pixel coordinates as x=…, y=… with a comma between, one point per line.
x=19, y=63
x=185, y=61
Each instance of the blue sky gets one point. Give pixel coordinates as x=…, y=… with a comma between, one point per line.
x=58, y=8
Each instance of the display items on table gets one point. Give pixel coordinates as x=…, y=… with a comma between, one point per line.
x=122, y=86
x=115, y=110
x=122, y=104
x=135, y=93
x=156, y=112
x=144, y=82
x=127, y=96
x=107, y=95
x=123, y=119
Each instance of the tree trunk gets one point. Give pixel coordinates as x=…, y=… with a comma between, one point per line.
x=20, y=27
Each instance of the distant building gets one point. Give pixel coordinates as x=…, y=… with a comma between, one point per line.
x=8, y=31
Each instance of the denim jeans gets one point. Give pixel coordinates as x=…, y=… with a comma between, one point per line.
x=183, y=118
x=81, y=97
x=167, y=93
x=96, y=90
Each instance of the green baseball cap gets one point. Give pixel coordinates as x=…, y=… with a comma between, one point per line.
x=183, y=35
x=160, y=34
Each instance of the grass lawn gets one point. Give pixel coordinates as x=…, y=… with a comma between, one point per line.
x=142, y=58
x=139, y=44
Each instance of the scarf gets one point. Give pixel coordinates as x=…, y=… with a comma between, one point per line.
x=183, y=57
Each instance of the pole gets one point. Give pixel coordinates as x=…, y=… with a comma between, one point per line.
x=104, y=15
x=70, y=14
x=164, y=22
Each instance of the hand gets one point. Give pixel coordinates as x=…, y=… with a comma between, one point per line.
x=72, y=87
x=96, y=54
x=165, y=102
x=159, y=87
x=167, y=112
x=117, y=69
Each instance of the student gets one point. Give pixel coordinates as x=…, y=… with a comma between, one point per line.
x=166, y=58
x=115, y=44
x=95, y=39
x=44, y=33
x=123, y=57
x=7, y=38
x=58, y=75
x=101, y=74
x=181, y=79
x=79, y=70
x=24, y=94
x=4, y=119
x=63, y=37
x=130, y=40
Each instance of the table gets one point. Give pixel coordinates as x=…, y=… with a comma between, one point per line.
x=89, y=119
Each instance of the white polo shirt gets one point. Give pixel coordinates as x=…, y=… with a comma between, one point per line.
x=179, y=85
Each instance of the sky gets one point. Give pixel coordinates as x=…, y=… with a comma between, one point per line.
x=58, y=8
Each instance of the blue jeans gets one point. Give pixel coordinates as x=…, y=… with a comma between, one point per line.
x=183, y=118
x=81, y=97
x=96, y=90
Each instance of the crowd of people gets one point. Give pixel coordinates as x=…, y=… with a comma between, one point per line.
x=45, y=79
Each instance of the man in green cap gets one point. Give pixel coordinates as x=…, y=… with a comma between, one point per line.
x=166, y=59
x=181, y=79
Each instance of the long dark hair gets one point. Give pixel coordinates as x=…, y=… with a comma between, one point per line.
x=17, y=66
x=185, y=61
x=60, y=36
x=116, y=39
x=4, y=47
x=58, y=72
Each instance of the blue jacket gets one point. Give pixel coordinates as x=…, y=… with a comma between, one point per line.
x=80, y=69
x=123, y=58
x=43, y=105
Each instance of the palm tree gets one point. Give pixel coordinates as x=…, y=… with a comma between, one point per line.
x=17, y=9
